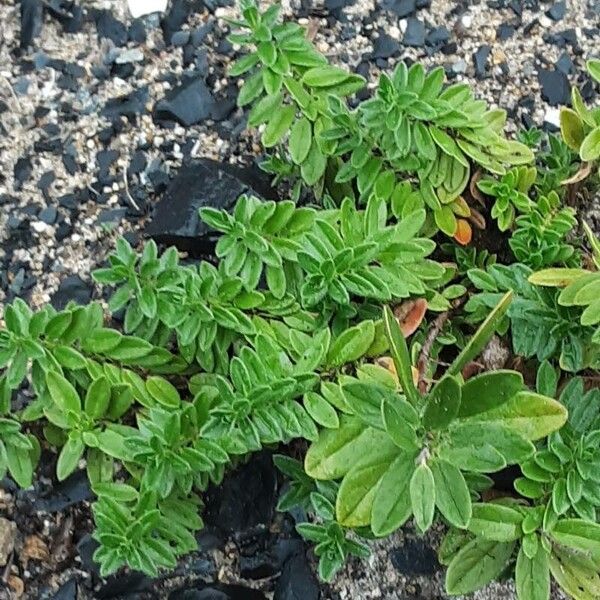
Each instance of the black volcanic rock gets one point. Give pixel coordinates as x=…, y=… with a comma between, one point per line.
x=189, y=103
x=297, y=581
x=201, y=183
x=555, y=87
x=32, y=17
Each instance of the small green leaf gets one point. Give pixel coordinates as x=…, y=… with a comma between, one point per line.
x=400, y=355
x=396, y=424
x=321, y=411
x=478, y=563
x=356, y=494
x=443, y=404
x=97, y=398
x=163, y=392
x=324, y=76
x=351, y=344
x=452, y=496
x=252, y=88
x=489, y=390
x=392, y=503
x=571, y=128
x=20, y=465
x=278, y=126
x=63, y=394
x=593, y=66
x=590, y=147
x=423, y=496
x=495, y=522
x=69, y=457
x=445, y=219
x=313, y=167
x=300, y=140
x=482, y=336
x=532, y=575
x=531, y=415
x=578, y=534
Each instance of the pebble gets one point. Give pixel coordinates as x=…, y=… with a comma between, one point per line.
x=131, y=55
x=8, y=534
x=557, y=11
x=415, y=32
x=480, y=58
x=460, y=66
x=552, y=116
x=556, y=89
x=48, y=215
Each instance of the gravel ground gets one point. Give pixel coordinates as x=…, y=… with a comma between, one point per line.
x=84, y=155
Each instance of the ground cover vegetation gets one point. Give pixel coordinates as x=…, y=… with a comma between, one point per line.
x=357, y=316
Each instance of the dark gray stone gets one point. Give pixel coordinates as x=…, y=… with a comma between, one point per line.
x=415, y=557
x=297, y=581
x=48, y=215
x=189, y=103
x=32, y=17
x=480, y=59
x=555, y=87
x=201, y=183
x=415, y=32
x=557, y=11
x=71, y=288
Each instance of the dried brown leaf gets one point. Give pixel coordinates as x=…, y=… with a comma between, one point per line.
x=410, y=315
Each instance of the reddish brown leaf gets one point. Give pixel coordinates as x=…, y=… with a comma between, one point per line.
x=410, y=315
x=464, y=233
x=475, y=190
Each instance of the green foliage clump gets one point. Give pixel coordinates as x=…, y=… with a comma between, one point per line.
x=540, y=326
x=414, y=128
x=510, y=194
x=297, y=332
x=580, y=125
x=554, y=533
x=406, y=454
x=539, y=237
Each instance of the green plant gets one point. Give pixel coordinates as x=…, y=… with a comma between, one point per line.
x=580, y=286
x=413, y=126
x=580, y=126
x=540, y=326
x=329, y=259
x=510, y=194
x=556, y=163
x=287, y=82
x=566, y=550
x=333, y=542
x=563, y=475
x=283, y=339
x=531, y=137
x=404, y=454
x=538, y=239
x=555, y=533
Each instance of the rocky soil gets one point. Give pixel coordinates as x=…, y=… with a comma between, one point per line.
x=98, y=113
